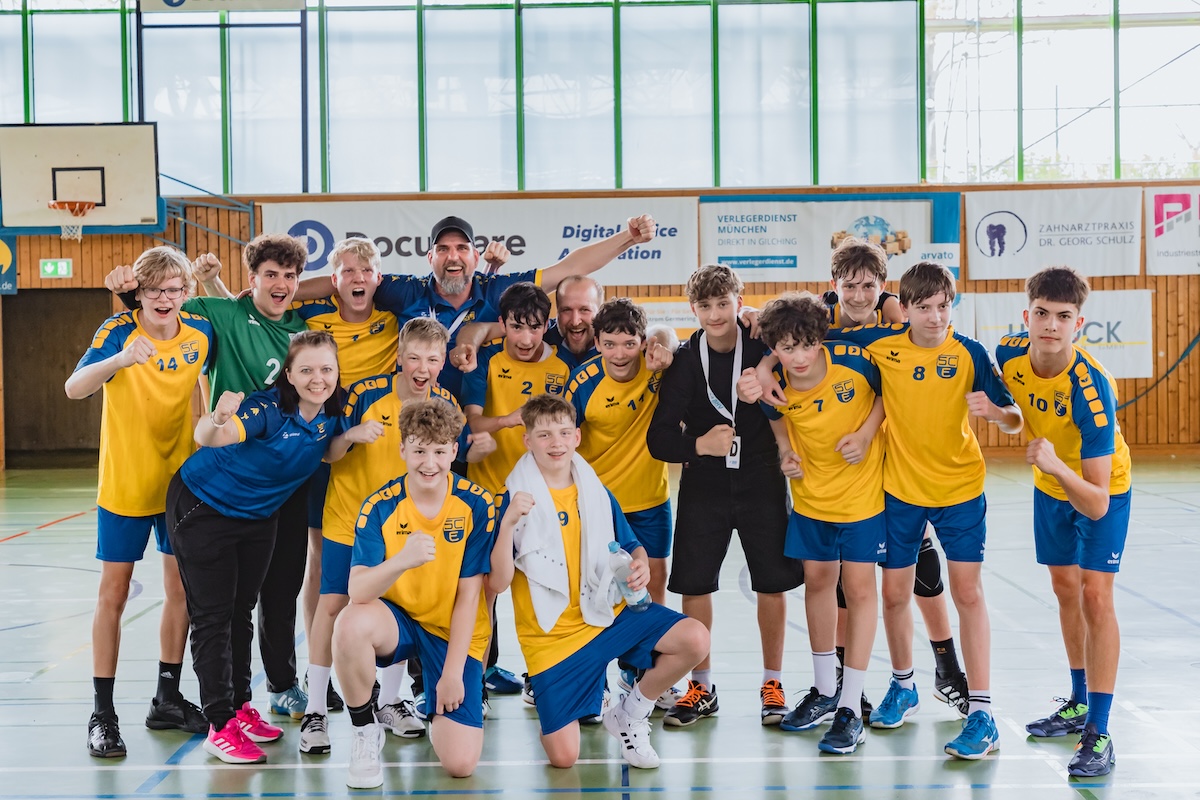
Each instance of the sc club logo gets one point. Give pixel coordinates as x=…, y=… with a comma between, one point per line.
x=320, y=241
x=1001, y=232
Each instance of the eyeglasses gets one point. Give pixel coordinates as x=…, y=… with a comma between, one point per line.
x=173, y=293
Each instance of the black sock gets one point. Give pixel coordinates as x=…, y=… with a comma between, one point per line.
x=841, y=655
x=168, y=680
x=946, y=657
x=361, y=716
x=104, y=693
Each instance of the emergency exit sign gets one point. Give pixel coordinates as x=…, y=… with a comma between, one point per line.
x=57, y=268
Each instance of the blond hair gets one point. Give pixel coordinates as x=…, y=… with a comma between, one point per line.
x=364, y=248
x=159, y=264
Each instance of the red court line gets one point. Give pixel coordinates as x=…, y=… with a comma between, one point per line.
x=47, y=525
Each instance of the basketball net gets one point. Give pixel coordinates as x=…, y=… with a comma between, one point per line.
x=73, y=229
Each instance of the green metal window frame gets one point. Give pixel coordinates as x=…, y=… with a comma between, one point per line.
x=130, y=20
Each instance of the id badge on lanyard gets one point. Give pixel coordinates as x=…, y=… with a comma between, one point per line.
x=733, y=459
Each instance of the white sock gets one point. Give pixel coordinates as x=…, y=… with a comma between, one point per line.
x=772, y=675
x=637, y=705
x=390, y=678
x=825, y=672
x=980, y=700
x=703, y=677
x=852, y=688
x=318, y=689
x=905, y=678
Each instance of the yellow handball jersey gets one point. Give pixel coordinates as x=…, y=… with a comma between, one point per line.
x=543, y=649
x=366, y=467
x=364, y=348
x=1076, y=410
x=816, y=420
x=613, y=418
x=146, y=424
x=464, y=530
x=501, y=385
x=932, y=458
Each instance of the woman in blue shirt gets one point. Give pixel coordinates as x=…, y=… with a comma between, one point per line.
x=222, y=509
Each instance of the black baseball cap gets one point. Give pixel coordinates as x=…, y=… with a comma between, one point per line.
x=451, y=224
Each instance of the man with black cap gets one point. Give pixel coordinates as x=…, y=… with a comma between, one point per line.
x=455, y=293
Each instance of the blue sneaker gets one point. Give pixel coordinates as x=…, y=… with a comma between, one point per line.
x=501, y=681
x=897, y=705
x=978, y=738
x=419, y=706
x=845, y=735
x=292, y=703
x=1094, y=755
x=626, y=678
x=810, y=712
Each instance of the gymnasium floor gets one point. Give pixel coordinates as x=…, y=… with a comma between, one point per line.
x=48, y=578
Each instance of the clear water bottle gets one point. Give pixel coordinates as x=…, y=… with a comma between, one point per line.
x=620, y=562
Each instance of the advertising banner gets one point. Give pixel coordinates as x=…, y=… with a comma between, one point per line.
x=1173, y=231
x=221, y=5
x=1014, y=234
x=1117, y=328
x=789, y=238
x=537, y=232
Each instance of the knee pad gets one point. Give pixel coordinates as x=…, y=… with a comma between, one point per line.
x=929, y=571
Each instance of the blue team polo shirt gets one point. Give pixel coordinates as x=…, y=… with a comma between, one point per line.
x=408, y=297
x=278, y=452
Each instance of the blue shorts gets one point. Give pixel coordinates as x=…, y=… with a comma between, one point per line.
x=814, y=540
x=653, y=529
x=318, y=485
x=1064, y=537
x=123, y=540
x=413, y=640
x=961, y=528
x=335, y=567
x=573, y=688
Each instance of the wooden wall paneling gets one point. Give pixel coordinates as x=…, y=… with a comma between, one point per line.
x=1168, y=392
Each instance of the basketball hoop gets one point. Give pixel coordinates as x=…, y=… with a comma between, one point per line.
x=78, y=209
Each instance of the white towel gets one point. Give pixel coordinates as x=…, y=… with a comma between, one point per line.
x=537, y=540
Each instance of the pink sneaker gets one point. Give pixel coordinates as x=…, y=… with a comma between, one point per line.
x=231, y=745
x=255, y=728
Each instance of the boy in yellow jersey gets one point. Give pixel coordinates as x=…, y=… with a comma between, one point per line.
x=934, y=380
x=512, y=370
x=375, y=402
x=148, y=362
x=417, y=537
x=828, y=449
x=558, y=523
x=858, y=272
x=1081, y=477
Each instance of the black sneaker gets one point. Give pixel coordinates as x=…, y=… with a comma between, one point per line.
x=810, y=712
x=176, y=713
x=952, y=690
x=867, y=708
x=845, y=735
x=774, y=702
x=104, y=736
x=697, y=703
x=333, y=700
x=1068, y=718
x=1094, y=755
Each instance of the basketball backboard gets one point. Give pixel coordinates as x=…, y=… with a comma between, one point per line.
x=113, y=165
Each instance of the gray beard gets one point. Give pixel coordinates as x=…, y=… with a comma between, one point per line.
x=451, y=286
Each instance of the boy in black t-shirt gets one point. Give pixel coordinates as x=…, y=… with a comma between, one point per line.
x=731, y=480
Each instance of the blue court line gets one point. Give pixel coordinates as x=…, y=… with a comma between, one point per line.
x=1159, y=606
x=625, y=781
x=151, y=783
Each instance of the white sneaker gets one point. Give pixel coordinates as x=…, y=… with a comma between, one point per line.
x=366, y=768
x=666, y=700
x=401, y=719
x=633, y=735
x=314, y=734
